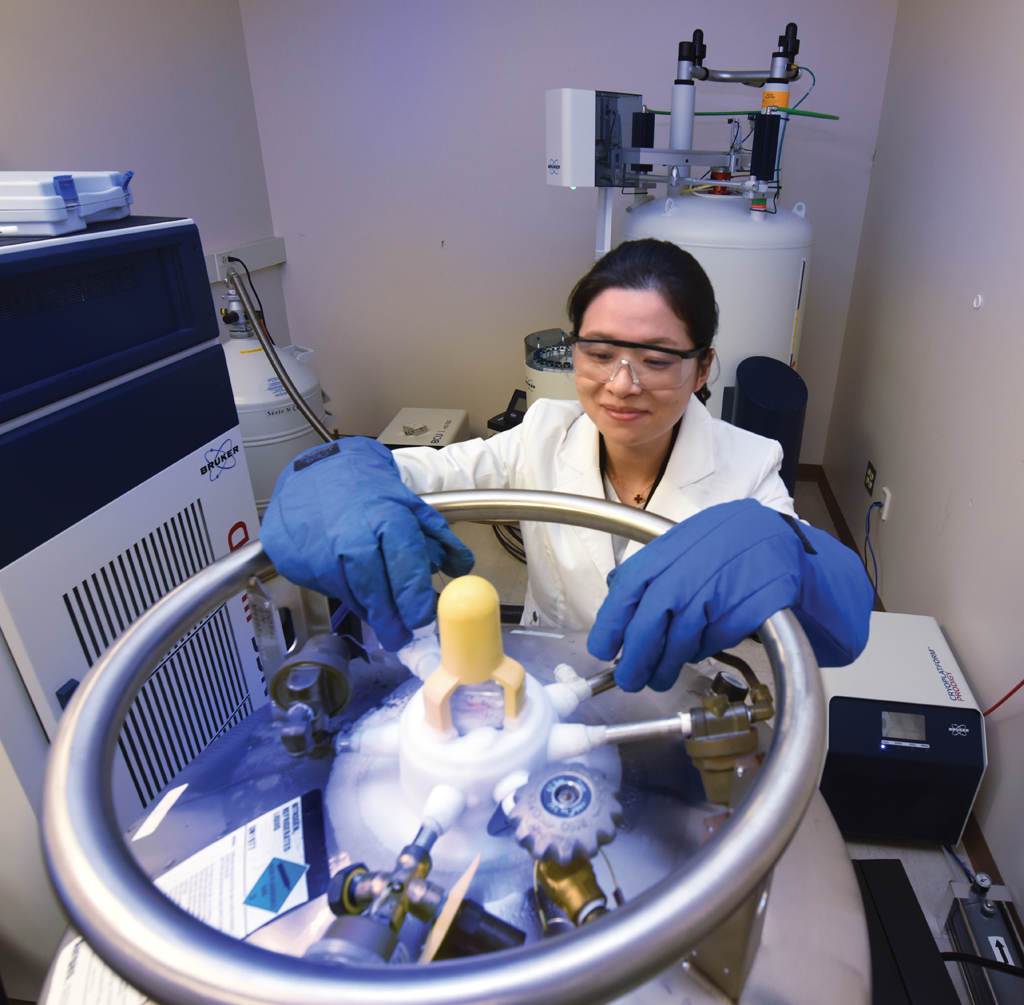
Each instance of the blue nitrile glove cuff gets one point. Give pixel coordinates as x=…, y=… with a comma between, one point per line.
x=342, y=522
x=713, y=579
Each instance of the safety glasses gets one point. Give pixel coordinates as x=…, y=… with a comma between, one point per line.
x=654, y=369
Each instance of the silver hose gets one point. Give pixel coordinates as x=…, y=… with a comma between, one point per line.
x=172, y=957
x=275, y=361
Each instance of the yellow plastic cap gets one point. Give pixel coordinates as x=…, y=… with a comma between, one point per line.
x=469, y=624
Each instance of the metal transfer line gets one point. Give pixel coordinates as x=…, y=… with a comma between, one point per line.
x=271, y=353
x=172, y=957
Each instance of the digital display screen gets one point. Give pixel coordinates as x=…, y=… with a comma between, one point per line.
x=903, y=726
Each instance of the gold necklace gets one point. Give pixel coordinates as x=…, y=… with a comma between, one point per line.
x=638, y=497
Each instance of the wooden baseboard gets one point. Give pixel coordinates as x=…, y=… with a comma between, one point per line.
x=816, y=473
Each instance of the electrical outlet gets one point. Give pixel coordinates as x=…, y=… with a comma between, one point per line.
x=258, y=255
x=869, y=479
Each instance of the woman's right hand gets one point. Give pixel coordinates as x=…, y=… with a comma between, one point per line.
x=342, y=522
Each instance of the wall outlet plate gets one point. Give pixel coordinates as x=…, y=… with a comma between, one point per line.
x=869, y=479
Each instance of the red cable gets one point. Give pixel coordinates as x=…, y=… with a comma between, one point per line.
x=1009, y=694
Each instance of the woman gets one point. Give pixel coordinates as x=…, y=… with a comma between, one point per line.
x=344, y=518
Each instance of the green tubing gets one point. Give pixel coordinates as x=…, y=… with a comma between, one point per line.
x=791, y=111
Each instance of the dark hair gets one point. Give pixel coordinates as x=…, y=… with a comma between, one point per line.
x=653, y=265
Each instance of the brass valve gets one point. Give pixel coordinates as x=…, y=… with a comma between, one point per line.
x=394, y=901
x=723, y=732
x=371, y=907
x=574, y=889
x=355, y=891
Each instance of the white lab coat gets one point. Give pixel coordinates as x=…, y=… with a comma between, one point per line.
x=555, y=448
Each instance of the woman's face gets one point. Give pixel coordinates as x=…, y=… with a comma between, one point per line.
x=628, y=415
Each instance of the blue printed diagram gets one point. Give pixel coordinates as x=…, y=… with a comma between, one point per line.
x=277, y=881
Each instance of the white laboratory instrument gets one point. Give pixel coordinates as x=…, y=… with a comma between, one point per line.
x=273, y=428
x=426, y=427
x=906, y=739
x=124, y=476
x=720, y=205
x=757, y=264
x=548, y=366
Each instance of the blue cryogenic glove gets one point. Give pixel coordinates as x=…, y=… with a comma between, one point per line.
x=711, y=580
x=341, y=522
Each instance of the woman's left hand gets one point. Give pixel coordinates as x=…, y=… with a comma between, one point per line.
x=713, y=579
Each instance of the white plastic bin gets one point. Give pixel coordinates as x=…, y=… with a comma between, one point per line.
x=49, y=203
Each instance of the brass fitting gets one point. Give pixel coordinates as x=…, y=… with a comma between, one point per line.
x=388, y=896
x=574, y=889
x=392, y=904
x=722, y=732
x=761, y=702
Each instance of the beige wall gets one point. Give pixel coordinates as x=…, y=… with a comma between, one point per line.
x=930, y=388
x=404, y=148
x=161, y=88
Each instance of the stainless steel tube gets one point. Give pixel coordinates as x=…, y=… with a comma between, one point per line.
x=174, y=958
x=630, y=732
x=282, y=374
x=602, y=681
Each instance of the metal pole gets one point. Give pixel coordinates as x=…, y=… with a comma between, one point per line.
x=172, y=957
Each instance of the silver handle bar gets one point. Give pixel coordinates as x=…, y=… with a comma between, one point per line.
x=174, y=958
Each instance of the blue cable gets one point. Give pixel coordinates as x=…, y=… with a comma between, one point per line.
x=814, y=80
x=867, y=534
x=970, y=875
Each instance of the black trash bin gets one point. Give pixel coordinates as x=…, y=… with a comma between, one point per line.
x=771, y=399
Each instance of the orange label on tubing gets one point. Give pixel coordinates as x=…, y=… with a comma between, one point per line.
x=778, y=99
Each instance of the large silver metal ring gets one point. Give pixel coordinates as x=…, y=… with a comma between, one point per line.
x=172, y=957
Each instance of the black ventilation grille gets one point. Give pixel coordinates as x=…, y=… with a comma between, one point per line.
x=196, y=694
x=25, y=302
x=184, y=299
x=199, y=690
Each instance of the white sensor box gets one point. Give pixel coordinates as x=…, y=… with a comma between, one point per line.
x=571, y=136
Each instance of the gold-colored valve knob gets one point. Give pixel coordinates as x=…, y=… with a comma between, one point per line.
x=469, y=624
